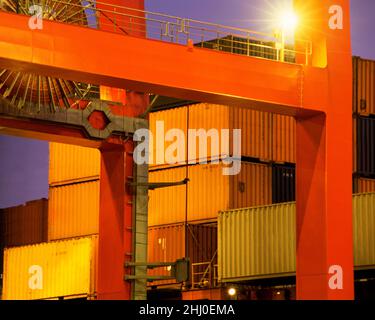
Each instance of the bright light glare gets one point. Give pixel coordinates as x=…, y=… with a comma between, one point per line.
x=232, y=291
x=288, y=21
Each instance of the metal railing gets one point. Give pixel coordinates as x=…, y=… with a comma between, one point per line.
x=170, y=29
x=201, y=275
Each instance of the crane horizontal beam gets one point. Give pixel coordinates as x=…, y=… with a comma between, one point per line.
x=106, y=58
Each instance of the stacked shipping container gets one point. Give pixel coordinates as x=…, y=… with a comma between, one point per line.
x=73, y=209
x=178, y=216
x=268, y=157
x=51, y=270
x=72, y=212
x=22, y=225
x=259, y=242
x=363, y=125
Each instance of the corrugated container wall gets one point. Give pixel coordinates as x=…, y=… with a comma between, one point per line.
x=283, y=138
x=364, y=229
x=260, y=242
x=23, y=225
x=355, y=147
x=165, y=244
x=51, y=270
x=170, y=119
x=168, y=243
x=365, y=146
x=264, y=136
x=365, y=185
x=167, y=205
x=208, y=116
x=73, y=210
x=251, y=187
x=256, y=132
x=69, y=163
x=257, y=242
x=208, y=192
x=363, y=86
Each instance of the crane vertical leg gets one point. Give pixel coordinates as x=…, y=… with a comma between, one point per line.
x=115, y=222
x=324, y=157
x=123, y=215
x=324, y=209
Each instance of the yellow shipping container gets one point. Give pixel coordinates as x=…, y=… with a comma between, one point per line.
x=257, y=242
x=69, y=163
x=260, y=242
x=50, y=270
x=208, y=192
x=364, y=230
x=73, y=210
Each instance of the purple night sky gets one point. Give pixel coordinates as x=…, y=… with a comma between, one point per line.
x=24, y=163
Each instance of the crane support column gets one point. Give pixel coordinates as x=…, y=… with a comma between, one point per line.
x=324, y=158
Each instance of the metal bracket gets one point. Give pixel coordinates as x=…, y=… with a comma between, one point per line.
x=179, y=270
x=76, y=117
x=157, y=185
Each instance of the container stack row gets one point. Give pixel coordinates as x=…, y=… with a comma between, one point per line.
x=208, y=219
x=247, y=251
x=363, y=125
x=51, y=245
x=178, y=213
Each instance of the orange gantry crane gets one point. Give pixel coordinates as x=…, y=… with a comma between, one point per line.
x=316, y=90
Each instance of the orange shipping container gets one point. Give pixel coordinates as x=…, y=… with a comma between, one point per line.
x=283, y=138
x=354, y=145
x=171, y=119
x=169, y=243
x=208, y=192
x=73, y=210
x=363, y=86
x=264, y=136
x=23, y=225
x=165, y=244
x=365, y=185
x=70, y=163
x=255, y=132
x=252, y=187
x=255, y=128
x=209, y=116
x=167, y=205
